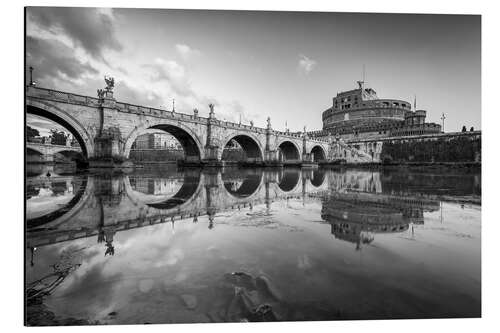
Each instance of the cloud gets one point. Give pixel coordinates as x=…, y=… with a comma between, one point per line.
x=90, y=28
x=174, y=74
x=186, y=52
x=53, y=59
x=176, y=77
x=92, y=290
x=306, y=65
x=234, y=111
x=128, y=94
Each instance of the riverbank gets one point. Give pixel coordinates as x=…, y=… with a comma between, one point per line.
x=413, y=166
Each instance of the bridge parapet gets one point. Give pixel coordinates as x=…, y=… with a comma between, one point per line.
x=54, y=146
x=61, y=96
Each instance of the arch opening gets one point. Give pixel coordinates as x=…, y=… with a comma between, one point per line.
x=31, y=151
x=318, y=154
x=287, y=151
x=33, y=110
x=164, y=142
x=34, y=156
x=242, y=148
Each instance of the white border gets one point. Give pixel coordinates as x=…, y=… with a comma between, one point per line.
x=12, y=144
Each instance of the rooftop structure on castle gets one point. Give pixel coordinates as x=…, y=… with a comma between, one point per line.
x=359, y=113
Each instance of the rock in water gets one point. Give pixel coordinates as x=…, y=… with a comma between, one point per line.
x=264, y=312
x=190, y=301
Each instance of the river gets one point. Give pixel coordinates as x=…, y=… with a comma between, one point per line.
x=174, y=246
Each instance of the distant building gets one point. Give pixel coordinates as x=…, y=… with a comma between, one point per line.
x=359, y=114
x=156, y=141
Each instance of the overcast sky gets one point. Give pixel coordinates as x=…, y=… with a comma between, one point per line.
x=286, y=65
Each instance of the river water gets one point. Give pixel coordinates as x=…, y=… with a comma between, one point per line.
x=181, y=246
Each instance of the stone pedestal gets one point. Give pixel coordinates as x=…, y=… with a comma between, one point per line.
x=108, y=154
x=211, y=157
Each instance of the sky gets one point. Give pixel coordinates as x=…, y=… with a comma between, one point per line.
x=255, y=64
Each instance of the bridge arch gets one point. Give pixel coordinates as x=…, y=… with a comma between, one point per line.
x=34, y=150
x=248, y=142
x=62, y=118
x=190, y=142
x=70, y=154
x=288, y=150
x=318, y=153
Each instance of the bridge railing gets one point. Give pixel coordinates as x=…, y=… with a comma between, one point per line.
x=61, y=96
x=138, y=109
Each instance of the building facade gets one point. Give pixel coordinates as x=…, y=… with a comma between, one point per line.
x=156, y=141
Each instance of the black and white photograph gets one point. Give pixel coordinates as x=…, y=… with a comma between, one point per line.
x=186, y=166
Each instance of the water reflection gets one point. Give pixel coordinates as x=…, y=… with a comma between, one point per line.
x=356, y=217
x=253, y=245
x=242, y=185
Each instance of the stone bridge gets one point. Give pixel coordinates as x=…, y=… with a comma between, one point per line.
x=47, y=151
x=106, y=130
x=114, y=204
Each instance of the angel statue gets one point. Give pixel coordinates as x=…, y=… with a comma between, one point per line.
x=110, y=83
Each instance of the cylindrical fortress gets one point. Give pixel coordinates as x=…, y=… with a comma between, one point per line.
x=359, y=112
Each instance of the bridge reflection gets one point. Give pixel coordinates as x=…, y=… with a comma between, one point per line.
x=357, y=204
x=242, y=185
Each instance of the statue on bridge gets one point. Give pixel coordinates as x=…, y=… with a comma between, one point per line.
x=211, y=114
x=110, y=83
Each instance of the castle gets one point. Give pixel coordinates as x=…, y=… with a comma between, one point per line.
x=360, y=114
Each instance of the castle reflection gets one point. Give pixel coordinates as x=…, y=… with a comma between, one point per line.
x=357, y=216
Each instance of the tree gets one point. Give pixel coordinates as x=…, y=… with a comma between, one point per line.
x=31, y=133
x=472, y=129
x=464, y=129
x=58, y=137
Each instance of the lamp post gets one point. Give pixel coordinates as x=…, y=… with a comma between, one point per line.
x=32, y=83
x=443, y=117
